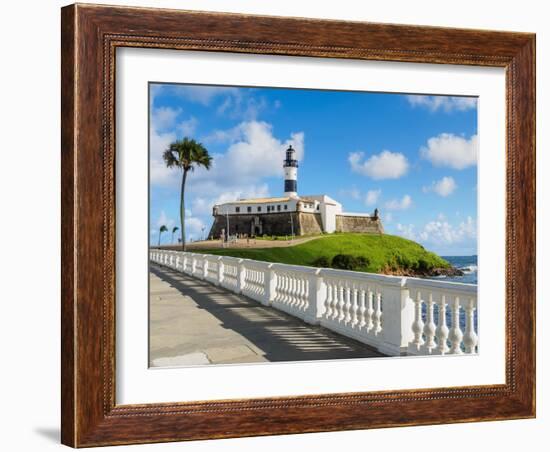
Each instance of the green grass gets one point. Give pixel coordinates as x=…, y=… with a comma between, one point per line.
x=384, y=253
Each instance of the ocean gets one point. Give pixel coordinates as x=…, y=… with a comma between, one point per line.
x=468, y=264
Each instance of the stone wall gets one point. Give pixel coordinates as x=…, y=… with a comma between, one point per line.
x=278, y=223
x=310, y=223
x=345, y=223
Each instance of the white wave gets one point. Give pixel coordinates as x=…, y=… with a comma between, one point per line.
x=469, y=269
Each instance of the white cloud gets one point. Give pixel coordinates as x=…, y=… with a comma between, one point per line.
x=406, y=230
x=399, y=204
x=440, y=232
x=386, y=165
x=188, y=126
x=254, y=153
x=203, y=206
x=372, y=197
x=445, y=103
x=451, y=151
x=242, y=105
x=163, y=118
x=194, y=229
x=443, y=187
x=353, y=193
x=443, y=233
x=163, y=220
x=387, y=217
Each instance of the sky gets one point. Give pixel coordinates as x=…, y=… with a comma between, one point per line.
x=413, y=157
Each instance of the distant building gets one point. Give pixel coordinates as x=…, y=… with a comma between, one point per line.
x=289, y=214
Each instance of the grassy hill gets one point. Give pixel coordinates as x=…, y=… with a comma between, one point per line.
x=374, y=253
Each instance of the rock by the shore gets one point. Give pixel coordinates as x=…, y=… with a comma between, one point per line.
x=434, y=272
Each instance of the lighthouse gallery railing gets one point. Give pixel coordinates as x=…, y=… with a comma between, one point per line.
x=395, y=315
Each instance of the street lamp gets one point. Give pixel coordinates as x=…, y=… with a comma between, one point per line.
x=227, y=220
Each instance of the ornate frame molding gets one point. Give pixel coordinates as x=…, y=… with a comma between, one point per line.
x=90, y=37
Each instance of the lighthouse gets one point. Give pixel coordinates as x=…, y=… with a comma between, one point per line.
x=291, y=173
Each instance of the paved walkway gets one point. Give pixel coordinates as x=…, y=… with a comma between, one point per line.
x=194, y=322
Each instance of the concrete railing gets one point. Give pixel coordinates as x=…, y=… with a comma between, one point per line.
x=395, y=315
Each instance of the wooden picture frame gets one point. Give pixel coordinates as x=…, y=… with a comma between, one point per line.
x=90, y=35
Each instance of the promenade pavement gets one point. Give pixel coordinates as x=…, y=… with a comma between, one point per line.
x=193, y=322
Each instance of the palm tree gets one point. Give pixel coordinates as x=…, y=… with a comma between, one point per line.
x=186, y=154
x=161, y=230
x=174, y=230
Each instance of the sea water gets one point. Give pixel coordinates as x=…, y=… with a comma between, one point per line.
x=468, y=264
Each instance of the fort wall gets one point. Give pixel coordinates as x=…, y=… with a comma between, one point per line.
x=280, y=223
x=365, y=224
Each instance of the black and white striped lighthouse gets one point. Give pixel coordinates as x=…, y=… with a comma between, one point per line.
x=291, y=173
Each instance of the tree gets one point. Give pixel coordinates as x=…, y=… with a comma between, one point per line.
x=161, y=230
x=186, y=154
x=174, y=230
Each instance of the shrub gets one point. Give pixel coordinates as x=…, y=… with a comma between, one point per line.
x=321, y=261
x=349, y=262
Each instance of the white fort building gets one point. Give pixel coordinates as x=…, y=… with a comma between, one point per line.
x=290, y=214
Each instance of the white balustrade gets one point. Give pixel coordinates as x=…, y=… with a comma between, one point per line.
x=295, y=291
x=393, y=314
x=230, y=273
x=253, y=279
x=455, y=331
x=367, y=307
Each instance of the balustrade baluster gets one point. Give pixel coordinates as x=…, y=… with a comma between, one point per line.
x=362, y=308
x=470, y=336
x=341, y=302
x=354, y=306
x=429, y=327
x=370, y=309
x=455, y=334
x=328, y=300
x=347, y=306
x=377, y=316
x=294, y=291
x=442, y=331
x=418, y=324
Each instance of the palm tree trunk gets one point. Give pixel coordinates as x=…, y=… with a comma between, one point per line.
x=182, y=208
x=160, y=234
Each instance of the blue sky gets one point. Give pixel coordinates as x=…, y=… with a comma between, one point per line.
x=412, y=157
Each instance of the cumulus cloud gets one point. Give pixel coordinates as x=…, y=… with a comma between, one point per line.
x=399, y=204
x=440, y=232
x=372, y=196
x=203, y=206
x=164, y=118
x=443, y=187
x=353, y=193
x=163, y=220
x=406, y=230
x=188, y=126
x=451, y=151
x=194, y=229
x=445, y=103
x=386, y=165
x=253, y=153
